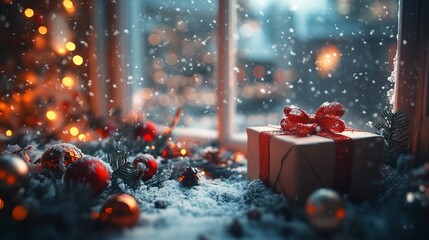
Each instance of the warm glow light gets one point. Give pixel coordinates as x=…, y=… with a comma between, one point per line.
x=61, y=51
x=183, y=152
x=328, y=59
x=28, y=96
x=29, y=12
x=43, y=30
x=82, y=137
x=39, y=42
x=1, y=204
x=68, y=81
x=60, y=33
x=3, y=106
x=78, y=60
x=9, y=133
x=70, y=46
x=30, y=78
x=51, y=115
x=68, y=4
x=19, y=213
x=74, y=131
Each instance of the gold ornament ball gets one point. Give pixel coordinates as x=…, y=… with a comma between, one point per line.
x=325, y=210
x=58, y=156
x=14, y=173
x=120, y=210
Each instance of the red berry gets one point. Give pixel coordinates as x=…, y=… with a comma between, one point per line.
x=91, y=171
x=146, y=166
x=146, y=131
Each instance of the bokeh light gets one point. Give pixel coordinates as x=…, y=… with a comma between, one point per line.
x=61, y=51
x=68, y=4
x=9, y=133
x=327, y=60
x=82, y=137
x=74, y=131
x=43, y=30
x=19, y=213
x=68, y=81
x=70, y=46
x=29, y=12
x=51, y=115
x=78, y=60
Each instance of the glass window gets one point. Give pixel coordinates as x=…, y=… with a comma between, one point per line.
x=172, y=48
x=294, y=52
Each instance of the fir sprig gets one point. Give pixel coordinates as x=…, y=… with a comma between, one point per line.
x=395, y=130
x=159, y=178
x=121, y=167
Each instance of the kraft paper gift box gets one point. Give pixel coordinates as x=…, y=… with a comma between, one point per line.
x=299, y=165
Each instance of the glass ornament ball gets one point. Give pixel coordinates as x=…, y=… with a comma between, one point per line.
x=146, y=131
x=325, y=210
x=146, y=166
x=58, y=156
x=89, y=171
x=14, y=173
x=120, y=210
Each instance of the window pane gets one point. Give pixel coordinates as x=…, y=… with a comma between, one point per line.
x=294, y=52
x=179, y=51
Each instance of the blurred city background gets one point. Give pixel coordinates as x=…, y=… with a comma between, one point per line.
x=288, y=52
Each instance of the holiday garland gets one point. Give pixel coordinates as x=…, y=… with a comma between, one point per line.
x=49, y=206
x=67, y=183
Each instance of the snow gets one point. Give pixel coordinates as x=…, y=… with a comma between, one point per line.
x=205, y=210
x=392, y=79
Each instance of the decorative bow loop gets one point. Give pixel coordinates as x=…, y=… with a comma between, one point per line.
x=327, y=119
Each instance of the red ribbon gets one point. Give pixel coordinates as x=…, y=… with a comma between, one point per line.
x=326, y=122
x=326, y=119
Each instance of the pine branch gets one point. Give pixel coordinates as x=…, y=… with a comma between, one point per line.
x=118, y=157
x=121, y=167
x=159, y=178
x=127, y=172
x=395, y=130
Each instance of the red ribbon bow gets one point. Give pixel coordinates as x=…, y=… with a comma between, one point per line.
x=326, y=119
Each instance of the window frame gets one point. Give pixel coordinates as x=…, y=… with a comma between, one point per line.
x=412, y=72
x=411, y=14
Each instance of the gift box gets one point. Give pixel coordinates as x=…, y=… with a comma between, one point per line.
x=297, y=165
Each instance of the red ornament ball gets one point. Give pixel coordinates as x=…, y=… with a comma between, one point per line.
x=120, y=210
x=58, y=156
x=14, y=173
x=107, y=129
x=325, y=210
x=91, y=171
x=146, y=166
x=146, y=131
